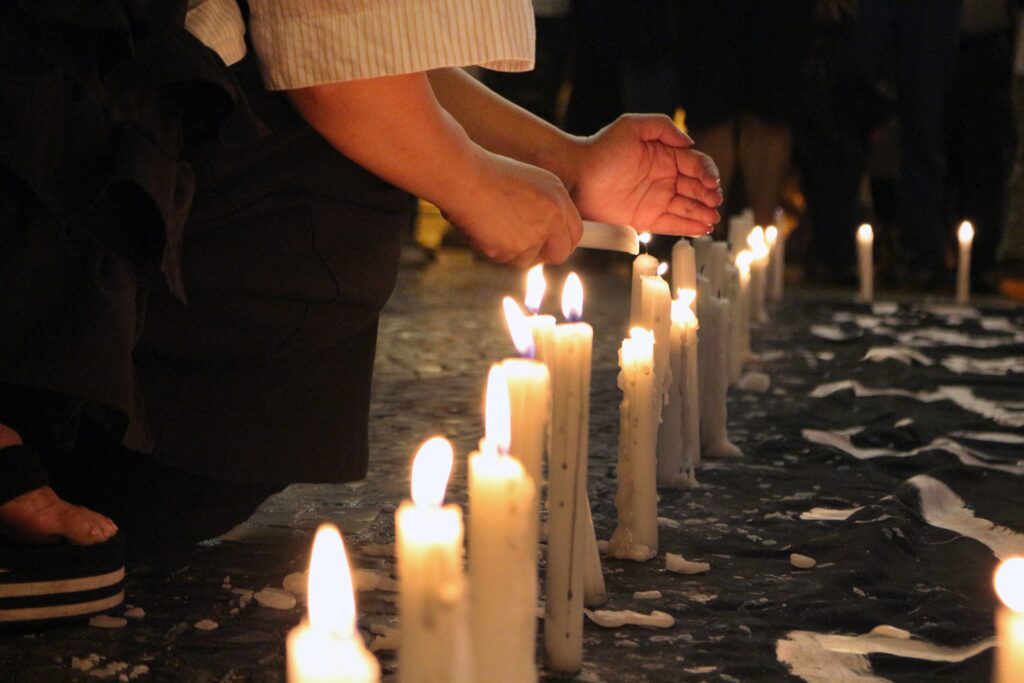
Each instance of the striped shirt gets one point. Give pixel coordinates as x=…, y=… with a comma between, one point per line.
x=301, y=43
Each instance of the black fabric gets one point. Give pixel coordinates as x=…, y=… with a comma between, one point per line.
x=290, y=252
x=22, y=472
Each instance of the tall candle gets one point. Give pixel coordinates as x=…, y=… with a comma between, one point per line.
x=964, y=236
x=502, y=559
x=679, y=433
x=684, y=266
x=431, y=599
x=739, y=328
x=570, y=367
x=702, y=253
x=776, y=262
x=865, y=262
x=656, y=315
x=739, y=231
x=715, y=271
x=712, y=355
x=643, y=265
x=542, y=326
x=1009, y=660
x=758, y=274
x=326, y=647
x=636, y=535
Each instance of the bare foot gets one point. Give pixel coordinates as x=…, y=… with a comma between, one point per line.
x=40, y=516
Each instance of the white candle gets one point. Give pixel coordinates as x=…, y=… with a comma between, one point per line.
x=965, y=236
x=656, y=315
x=1009, y=584
x=431, y=600
x=758, y=274
x=739, y=326
x=679, y=434
x=570, y=528
x=326, y=647
x=712, y=354
x=636, y=535
x=776, y=262
x=715, y=271
x=542, y=326
x=643, y=265
x=739, y=231
x=702, y=253
x=502, y=559
x=866, y=262
x=684, y=266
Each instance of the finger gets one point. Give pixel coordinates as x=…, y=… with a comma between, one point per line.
x=670, y=224
x=698, y=165
x=684, y=207
x=695, y=189
x=557, y=248
x=661, y=128
x=526, y=259
x=574, y=224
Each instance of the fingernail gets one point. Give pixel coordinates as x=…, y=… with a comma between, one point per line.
x=95, y=531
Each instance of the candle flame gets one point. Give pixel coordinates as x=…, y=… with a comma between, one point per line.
x=771, y=235
x=865, y=233
x=662, y=268
x=743, y=261
x=1009, y=581
x=682, y=314
x=497, y=411
x=687, y=296
x=536, y=285
x=965, y=233
x=642, y=337
x=644, y=237
x=756, y=242
x=518, y=327
x=572, y=298
x=332, y=605
x=430, y=471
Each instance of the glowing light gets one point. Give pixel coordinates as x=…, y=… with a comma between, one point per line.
x=756, y=242
x=642, y=337
x=430, y=471
x=497, y=411
x=687, y=296
x=332, y=605
x=1009, y=581
x=743, y=261
x=965, y=233
x=536, y=285
x=771, y=235
x=662, y=268
x=682, y=314
x=518, y=327
x=572, y=298
x=645, y=238
x=865, y=233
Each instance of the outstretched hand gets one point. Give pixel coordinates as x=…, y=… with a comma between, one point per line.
x=642, y=171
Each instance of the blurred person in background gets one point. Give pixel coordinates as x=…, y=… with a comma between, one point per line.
x=1011, y=249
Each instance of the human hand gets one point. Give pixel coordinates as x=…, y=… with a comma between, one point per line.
x=642, y=171
x=515, y=213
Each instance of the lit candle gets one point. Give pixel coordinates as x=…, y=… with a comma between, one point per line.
x=636, y=534
x=684, y=266
x=679, y=433
x=715, y=271
x=1009, y=581
x=572, y=561
x=542, y=326
x=739, y=230
x=865, y=262
x=502, y=559
x=965, y=236
x=431, y=599
x=739, y=329
x=326, y=647
x=758, y=274
x=712, y=356
x=656, y=316
x=702, y=253
x=776, y=262
x=643, y=265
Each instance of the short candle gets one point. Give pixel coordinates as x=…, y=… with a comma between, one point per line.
x=1009, y=584
x=965, y=237
x=865, y=262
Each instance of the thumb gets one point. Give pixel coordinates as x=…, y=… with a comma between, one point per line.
x=661, y=128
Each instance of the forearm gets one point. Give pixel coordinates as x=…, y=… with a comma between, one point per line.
x=395, y=128
x=505, y=128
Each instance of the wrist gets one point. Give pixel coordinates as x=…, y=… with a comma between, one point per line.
x=563, y=155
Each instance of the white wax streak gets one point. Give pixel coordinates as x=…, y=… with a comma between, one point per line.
x=984, y=366
x=827, y=658
x=885, y=308
x=992, y=437
x=828, y=514
x=615, y=619
x=999, y=325
x=968, y=456
x=1002, y=414
x=956, y=312
x=680, y=565
x=927, y=337
x=833, y=333
x=897, y=353
x=942, y=508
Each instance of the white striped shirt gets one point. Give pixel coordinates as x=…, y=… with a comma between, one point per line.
x=301, y=43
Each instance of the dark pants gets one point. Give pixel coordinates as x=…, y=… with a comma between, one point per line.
x=917, y=41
